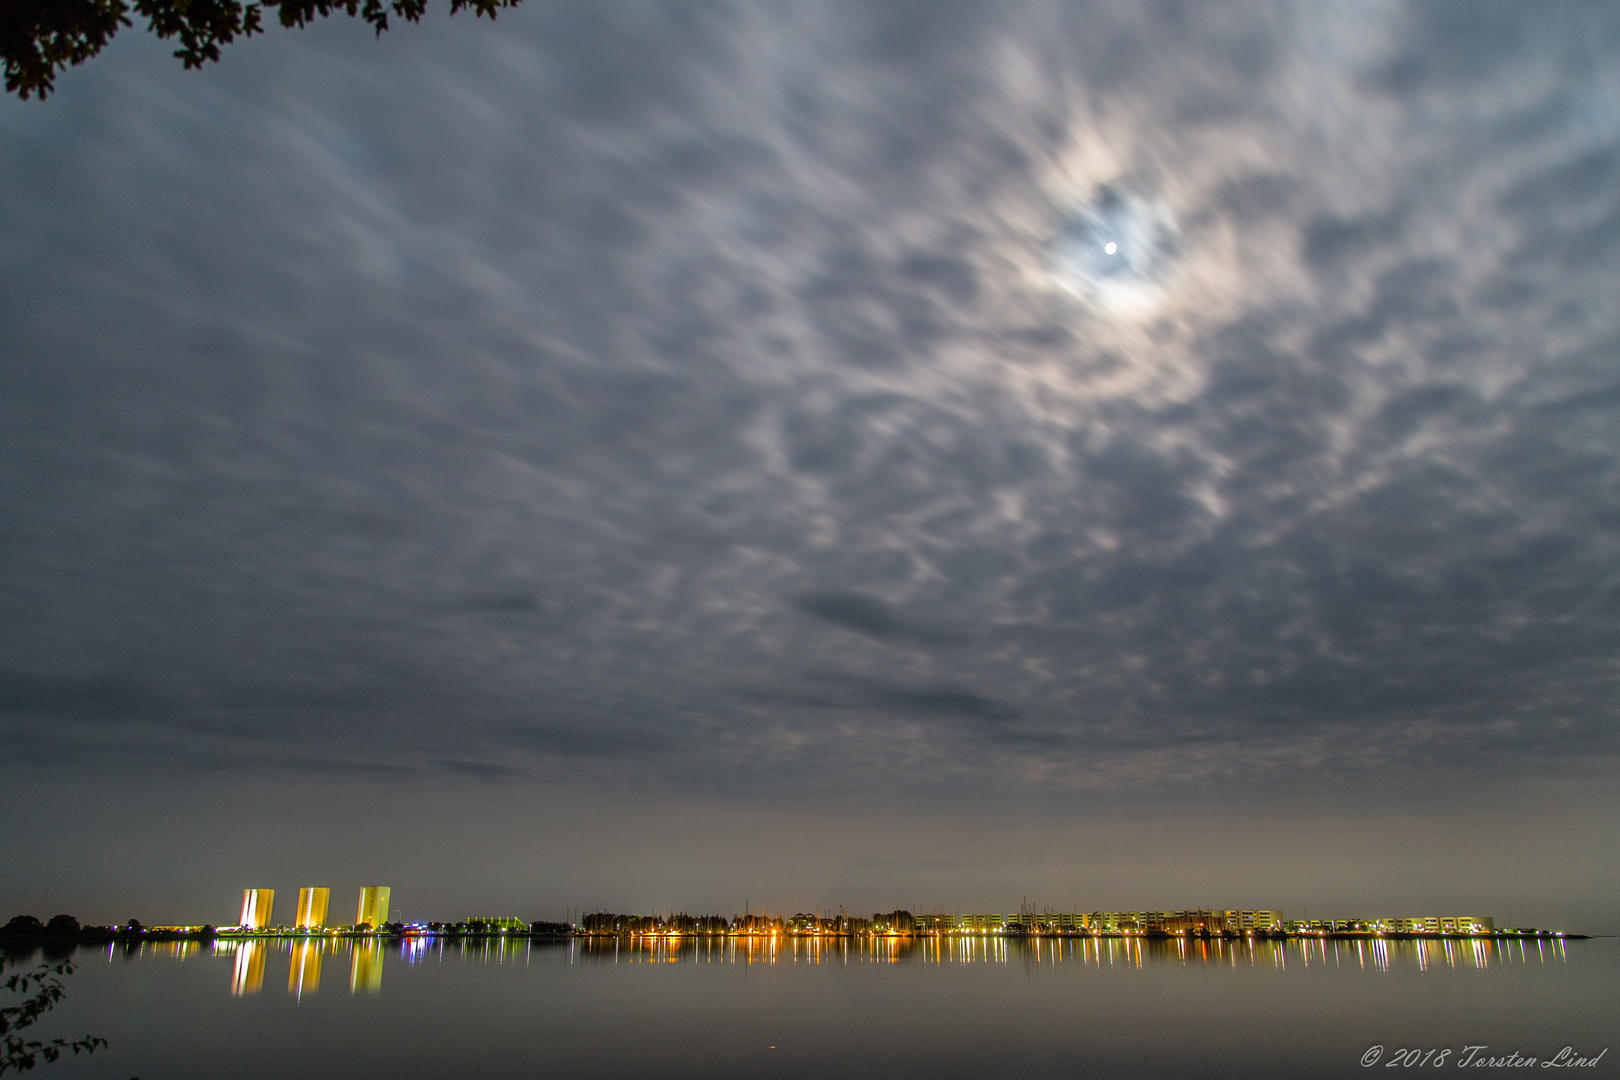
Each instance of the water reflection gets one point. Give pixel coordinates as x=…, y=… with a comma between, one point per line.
x=939, y=1007
x=366, y=970
x=1379, y=955
x=250, y=959
x=248, y=978
x=304, y=973
x=180, y=950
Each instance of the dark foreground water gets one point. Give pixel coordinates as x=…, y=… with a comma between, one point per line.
x=959, y=1008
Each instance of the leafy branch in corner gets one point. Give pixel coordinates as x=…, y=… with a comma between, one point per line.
x=40, y=37
x=43, y=989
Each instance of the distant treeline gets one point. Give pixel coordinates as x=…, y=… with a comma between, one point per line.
x=497, y=926
x=66, y=927
x=23, y=929
x=606, y=922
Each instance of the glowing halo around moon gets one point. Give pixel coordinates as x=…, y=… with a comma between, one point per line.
x=1113, y=252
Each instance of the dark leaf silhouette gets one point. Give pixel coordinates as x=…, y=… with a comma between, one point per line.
x=41, y=990
x=40, y=37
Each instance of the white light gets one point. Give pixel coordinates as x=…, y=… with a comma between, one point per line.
x=1110, y=247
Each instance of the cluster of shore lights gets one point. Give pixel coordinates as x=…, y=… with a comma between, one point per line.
x=422, y=928
x=295, y=931
x=1002, y=932
x=705, y=933
x=998, y=932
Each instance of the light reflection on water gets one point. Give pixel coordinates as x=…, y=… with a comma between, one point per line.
x=933, y=1008
x=1378, y=954
x=303, y=958
x=304, y=972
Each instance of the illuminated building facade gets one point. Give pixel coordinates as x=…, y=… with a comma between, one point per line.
x=256, y=905
x=312, y=903
x=1193, y=922
x=1245, y=922
x=373, y=906
x=1435, y=924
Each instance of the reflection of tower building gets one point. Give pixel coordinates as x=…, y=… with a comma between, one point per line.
x=373, y=906
x=312, y=908
x=256, y=908
x=249, y=974
x=304, y=977
x=366, y=974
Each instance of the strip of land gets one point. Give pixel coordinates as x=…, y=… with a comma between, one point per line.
x=1229, y=924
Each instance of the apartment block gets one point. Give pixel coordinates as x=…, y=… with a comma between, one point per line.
x=312, y=904
x=256, y=906
x=373, y=906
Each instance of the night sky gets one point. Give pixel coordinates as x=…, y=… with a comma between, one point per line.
x=933, y=454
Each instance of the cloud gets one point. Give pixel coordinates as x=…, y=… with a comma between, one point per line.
x=105, y=697
x=873, y=616
x=531, y=389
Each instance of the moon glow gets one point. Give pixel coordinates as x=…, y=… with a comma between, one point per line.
x=1112, y=251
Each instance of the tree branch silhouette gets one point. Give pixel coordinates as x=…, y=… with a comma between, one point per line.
x=38, y=38
x=42, y=988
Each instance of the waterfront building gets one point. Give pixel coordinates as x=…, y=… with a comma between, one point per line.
x=1433, y=924
x=256, y=905
x=1250, y=922
x=894, y=922
x=312, y=904
x=373, y=906
x=1195, y=922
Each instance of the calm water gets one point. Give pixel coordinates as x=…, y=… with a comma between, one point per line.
x=964, y=1007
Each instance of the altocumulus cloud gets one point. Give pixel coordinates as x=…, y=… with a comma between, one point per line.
x=721, y=385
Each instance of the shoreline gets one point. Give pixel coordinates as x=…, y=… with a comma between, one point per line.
x=102, y=936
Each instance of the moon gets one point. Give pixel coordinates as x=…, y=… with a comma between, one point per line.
x=1113, y=250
